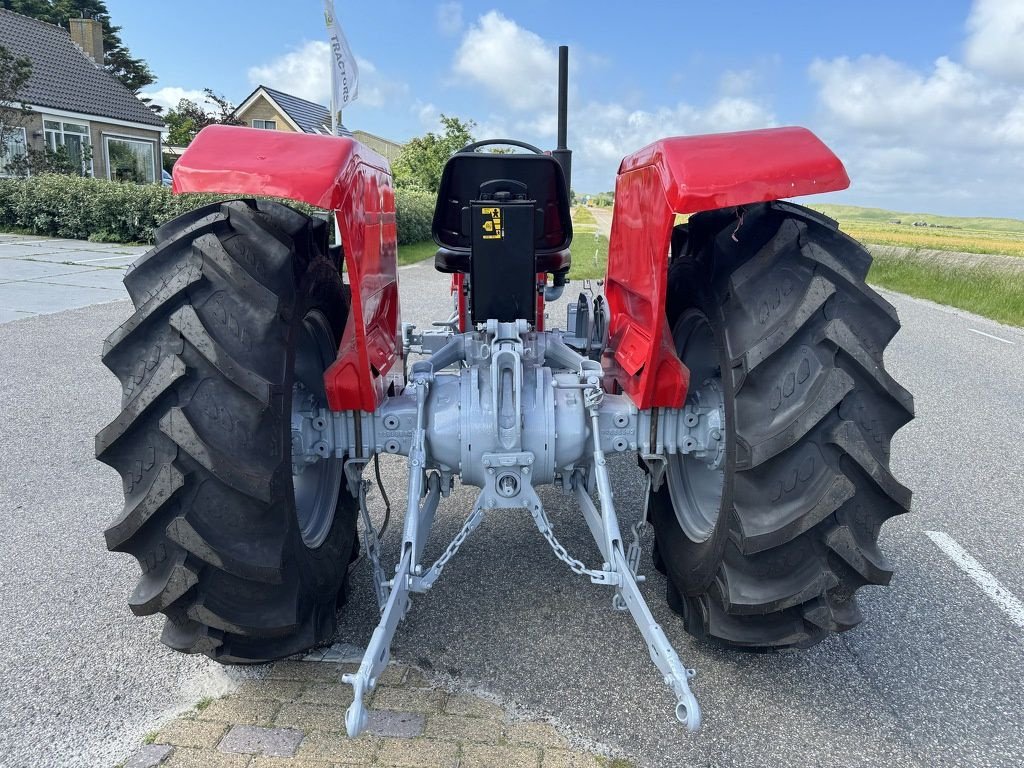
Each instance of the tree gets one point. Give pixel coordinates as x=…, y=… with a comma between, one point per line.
x=188, y=118
x=14, y=73
x=423, y=158
x=117, y=59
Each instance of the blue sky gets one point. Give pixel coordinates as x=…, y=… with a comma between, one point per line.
x=924, y=101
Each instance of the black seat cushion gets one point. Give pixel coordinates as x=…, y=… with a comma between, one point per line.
x=450, y=260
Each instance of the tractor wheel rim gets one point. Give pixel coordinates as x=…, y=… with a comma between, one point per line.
x=316, y=478
x=696, y=480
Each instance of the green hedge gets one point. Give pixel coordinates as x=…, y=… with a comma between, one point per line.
x=414, y=212
x=108, y=211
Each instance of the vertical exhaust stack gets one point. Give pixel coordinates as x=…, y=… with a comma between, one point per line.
x=562, y=153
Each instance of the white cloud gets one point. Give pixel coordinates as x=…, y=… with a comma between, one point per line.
x=511, y=64
x=517, y=69
x=305, y=72
x=735, y=82
x=947, y=137
x=449, y=18
x=995, y=41
x=169, y=96
x=949, y=104
x=609, y=132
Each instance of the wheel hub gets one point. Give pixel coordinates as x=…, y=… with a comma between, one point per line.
x=696, y=475
x=316, y=473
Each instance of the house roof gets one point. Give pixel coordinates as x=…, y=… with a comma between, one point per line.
x=309, y=116
x=64, y=77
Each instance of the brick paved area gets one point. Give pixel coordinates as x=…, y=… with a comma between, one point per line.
x=295, y=718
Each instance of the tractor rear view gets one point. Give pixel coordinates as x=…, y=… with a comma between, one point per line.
x=738, y=356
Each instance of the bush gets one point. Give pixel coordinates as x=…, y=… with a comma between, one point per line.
x=109, y=211
x=414, y=214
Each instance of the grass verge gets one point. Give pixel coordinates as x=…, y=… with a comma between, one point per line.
x=997, y=295
x=589, y=256
x=581, y=217
x=414, y=252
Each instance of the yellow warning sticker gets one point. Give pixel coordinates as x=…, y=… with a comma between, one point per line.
x=493, y=230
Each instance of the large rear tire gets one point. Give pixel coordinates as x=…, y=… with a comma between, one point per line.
x=769, y=307
x=238, y=310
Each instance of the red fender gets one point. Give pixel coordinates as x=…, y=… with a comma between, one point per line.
x=341, y=175
x=678, y=176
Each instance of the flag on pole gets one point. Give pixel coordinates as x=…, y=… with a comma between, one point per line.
x=344, y=72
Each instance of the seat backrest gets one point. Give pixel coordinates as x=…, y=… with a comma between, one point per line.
x=466, y=172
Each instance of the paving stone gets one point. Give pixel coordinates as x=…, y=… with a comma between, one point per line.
x=401, y=725
x=291, y=762
x=310, y=671
x=409, y=699
x=458, y=728
x=316, y=717
x=241, y=710
x=253, y=740
x=506, y=756
x=338, y=749
x=394, y=674
x=191, y=733
x=472, y=706
x=541, y=734
x=415, y=678
x=149, y=756
x=205, y=758
x=280, y=690
x=334, y=694
x=417, y=753
x=343, y=652
x=561, y=758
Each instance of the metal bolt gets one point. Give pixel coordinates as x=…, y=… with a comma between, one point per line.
x=716, y=434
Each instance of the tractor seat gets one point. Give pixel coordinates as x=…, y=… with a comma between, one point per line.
x=471, y=176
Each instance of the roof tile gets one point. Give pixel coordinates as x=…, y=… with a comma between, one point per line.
x=64, y=77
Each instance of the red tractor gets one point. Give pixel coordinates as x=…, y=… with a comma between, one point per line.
x=738, y=355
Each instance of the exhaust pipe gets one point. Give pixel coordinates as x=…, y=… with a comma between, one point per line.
x=562, y=153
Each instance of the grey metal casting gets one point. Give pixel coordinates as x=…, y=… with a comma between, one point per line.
x=507, y=409
x=316, y=473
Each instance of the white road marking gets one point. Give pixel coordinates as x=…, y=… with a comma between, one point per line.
x=989, y=335
x=999, y=594
x=105, y=258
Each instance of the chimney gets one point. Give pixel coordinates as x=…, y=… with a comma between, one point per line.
x=87, y=33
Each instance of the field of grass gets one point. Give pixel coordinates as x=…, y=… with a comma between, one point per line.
x=995, y=294
x=410, y=254
x=941, y=233
x=589, y=248
x=988, y=292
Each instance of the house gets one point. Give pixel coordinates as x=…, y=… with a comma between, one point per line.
x=275, y=110
x=76, y=104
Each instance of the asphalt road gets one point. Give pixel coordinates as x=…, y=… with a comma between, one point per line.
x=932, y=678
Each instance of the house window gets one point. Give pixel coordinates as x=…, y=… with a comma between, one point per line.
x=270, y=125
x=131, y=160
x=75, y=138
x=14, y=146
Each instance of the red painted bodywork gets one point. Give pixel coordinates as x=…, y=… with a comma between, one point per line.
x=679, y=176
x=341, y=175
